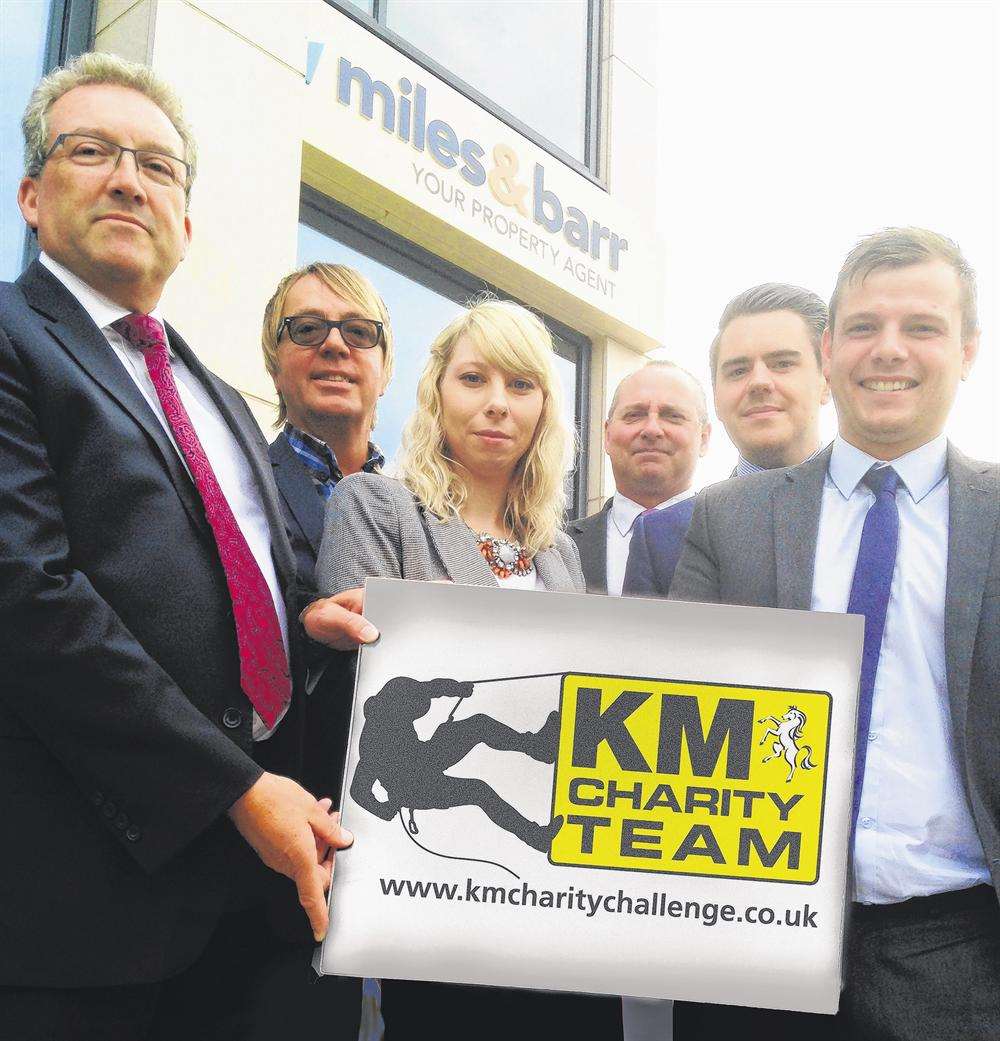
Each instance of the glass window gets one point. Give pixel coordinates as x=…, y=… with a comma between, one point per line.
x=535, y=65
x=531, y=59
x=25, y=27
x=422, y=295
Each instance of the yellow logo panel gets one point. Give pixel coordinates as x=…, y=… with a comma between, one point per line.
x=691, y=778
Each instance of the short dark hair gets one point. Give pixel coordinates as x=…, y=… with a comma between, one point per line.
x=903, y=247
x=773, y=296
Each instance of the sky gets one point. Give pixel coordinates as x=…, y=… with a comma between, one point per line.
x=789, y=131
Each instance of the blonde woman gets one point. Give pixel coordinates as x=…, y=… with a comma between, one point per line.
x=480, y=501
x=480, y=497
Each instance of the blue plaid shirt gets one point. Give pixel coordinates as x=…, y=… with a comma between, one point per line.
x=320, y=462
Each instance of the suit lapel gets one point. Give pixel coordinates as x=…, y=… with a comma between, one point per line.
x=973, y=515
x=75, y=332
x=796, y=504
x=591, y=537
x=456, y=547
x=298, y=491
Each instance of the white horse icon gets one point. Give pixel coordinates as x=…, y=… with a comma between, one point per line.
x=787, y=732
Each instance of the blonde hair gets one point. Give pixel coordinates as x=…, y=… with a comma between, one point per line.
x=348, y=284
x=515, y=341
x=92, y=68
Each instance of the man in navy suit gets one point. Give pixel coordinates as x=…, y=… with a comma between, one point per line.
x=148, y=606
x=768, y=388
x=656, y=431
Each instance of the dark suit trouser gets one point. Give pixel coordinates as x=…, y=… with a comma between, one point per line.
x=418, y=1011
x=927, y=969
x=247, y=985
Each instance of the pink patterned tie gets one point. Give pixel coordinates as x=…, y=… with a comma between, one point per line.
x=263, y=663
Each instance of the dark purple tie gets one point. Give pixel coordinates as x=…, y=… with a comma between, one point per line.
x=264, y=673
x=870, y=590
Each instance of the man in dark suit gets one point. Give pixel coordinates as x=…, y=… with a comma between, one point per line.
x=328, y=346
x=769, y=387
x=147, y=612
x=656, y=431
x=894, y=523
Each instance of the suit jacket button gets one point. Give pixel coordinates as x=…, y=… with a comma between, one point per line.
x=232, y=718
x=133, y=834
x=121, y=821
x=110, y=810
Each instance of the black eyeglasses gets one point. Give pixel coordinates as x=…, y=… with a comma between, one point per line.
x=86, y=150
x=309, y=331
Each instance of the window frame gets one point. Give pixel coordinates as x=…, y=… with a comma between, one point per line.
x=341, y=223
x=590, y=167
x=70, y=32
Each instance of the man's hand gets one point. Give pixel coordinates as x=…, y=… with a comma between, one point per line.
x=338, y=622
x=293, y=834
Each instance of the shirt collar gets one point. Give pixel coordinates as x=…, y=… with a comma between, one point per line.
x=744, y=468
x=299, y=439
x=920, y=471
x=624, y=511
x=102, y=311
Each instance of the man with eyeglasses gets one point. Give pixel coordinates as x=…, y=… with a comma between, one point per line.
x=327, y=344
x=148, y=605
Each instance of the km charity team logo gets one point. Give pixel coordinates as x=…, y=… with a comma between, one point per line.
x=612, y=772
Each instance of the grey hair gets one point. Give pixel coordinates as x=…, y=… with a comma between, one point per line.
x=96, y=67
x=903, y=247
x=664, y=364
x=773, y=296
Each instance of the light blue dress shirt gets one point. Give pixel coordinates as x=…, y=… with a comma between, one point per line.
x=915, y=833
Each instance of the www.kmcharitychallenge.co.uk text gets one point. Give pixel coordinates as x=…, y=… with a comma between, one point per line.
x=590, y=903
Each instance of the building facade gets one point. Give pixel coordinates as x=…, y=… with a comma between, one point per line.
x=443, y=149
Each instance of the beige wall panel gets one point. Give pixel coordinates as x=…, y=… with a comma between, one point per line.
x=635, y=36
x=632, y=149
x=109, y=11
x=244, y=108
x=277, y=27
x=128, y=29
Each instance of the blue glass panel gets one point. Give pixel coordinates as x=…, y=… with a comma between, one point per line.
x=23, y=27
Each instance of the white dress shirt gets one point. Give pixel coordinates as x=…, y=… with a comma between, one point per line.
x=621, y=520
x=224, y=453
x=915, y=834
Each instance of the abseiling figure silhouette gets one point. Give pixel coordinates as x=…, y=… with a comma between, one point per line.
x=412, y=771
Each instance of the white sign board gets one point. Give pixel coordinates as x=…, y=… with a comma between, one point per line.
x=603, y=795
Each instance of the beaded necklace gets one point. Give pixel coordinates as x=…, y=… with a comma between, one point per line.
x=504, y=556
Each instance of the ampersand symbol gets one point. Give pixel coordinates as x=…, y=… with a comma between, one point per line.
x=502, y=181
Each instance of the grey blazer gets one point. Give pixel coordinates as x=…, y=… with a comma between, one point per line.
x=375, y=528
x=753, y=541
